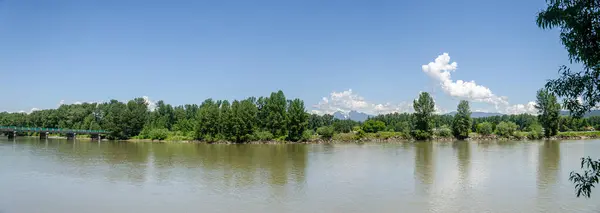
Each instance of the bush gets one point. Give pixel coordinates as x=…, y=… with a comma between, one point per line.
x=159, y=134
x=403, y=127
x=326, y=132
x=485, y=128
x=506, y=129
x=263, y=136
x=359, y=134
x=535, y=131
x=421, y=135
x=386, y=135
x=444, y=131
x=307, y=135
x=372, y=126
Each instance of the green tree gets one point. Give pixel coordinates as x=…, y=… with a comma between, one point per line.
x=424, y=109
x=244, y=119
x=275, y=109
x=485, y=128
x=208, y=121
x=461, y=126
x=506, y=129
x=297, y=119
x=226, y=119
x=535, y=131
x=578, y=21
x=585, y=181
x=326, y=132
x=549, y=112
x=372, y=126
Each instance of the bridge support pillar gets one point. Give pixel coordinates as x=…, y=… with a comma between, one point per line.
x=95, y=137
x=12, y=135
x=43, y=135
x=71, y=136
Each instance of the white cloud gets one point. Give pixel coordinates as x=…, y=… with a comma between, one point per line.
x=151, y=104
x=347, y=101
x=61, y=102
x=440, y=71
x=528, y=108
x=33, y=109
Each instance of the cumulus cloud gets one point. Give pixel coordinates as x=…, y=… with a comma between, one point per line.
x=347, y=101
x=151, y=104
x=528, y=108
x=440, y=70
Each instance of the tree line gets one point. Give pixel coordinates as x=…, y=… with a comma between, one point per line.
x=276, y=118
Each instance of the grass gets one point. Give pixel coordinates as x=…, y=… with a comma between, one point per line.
x=579, y=134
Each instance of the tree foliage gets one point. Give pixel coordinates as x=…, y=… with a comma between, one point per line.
x=423, y=117
x=579, y=22
x=372, y=126
x=485, y=128
x=506, y=129
x=297, y=120
x=548, y=112
x=326, y=132
x=461, y=126
x=585, y=181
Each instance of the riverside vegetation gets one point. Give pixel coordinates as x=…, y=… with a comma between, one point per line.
x=274, y=118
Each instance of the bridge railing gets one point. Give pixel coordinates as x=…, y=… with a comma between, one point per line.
x=51, y=130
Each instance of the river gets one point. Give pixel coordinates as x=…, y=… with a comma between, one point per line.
x=57, y=176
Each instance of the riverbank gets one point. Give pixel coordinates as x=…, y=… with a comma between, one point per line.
x=394, y=137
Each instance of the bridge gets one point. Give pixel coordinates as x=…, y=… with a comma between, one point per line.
x=11, y=132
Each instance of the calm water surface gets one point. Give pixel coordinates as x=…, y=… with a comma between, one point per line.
x=59, y=176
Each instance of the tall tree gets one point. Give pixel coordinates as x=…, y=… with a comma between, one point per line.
x=424, y=109
x=136, y=116
x=579, y=22
x=461, y=126
x=548, y=112
x=226, y=117
x=208, y=121
x=297, y=119
x=276, y=114
x=244, y=119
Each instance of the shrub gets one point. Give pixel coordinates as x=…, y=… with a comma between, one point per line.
x=307, y=135
x=420, y=135
x=159, y=134
x=387, y=135
x=535, y=131
x=485, y=128
x=444, y=131
x=344, y=137
x=359, y=134
x=372, y=126
x=326, y=132
x=262, y=136
x=403, y=127
x=506, y=129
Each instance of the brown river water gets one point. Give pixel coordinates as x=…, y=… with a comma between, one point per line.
x=58, y=176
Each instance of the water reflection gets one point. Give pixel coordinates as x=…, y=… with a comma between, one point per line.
x=461, y=176
x=463, y=155
x=548, y=163
x=424, y=165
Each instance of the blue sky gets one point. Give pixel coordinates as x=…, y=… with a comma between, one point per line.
x=186, y=51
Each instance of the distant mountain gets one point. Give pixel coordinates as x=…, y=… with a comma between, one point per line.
x=480, y=114
x=352, y=115
x=591, y=113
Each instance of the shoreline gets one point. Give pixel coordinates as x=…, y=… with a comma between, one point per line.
x=374, y=138
x=370, y=140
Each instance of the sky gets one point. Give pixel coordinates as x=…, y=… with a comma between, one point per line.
x=370, y=56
